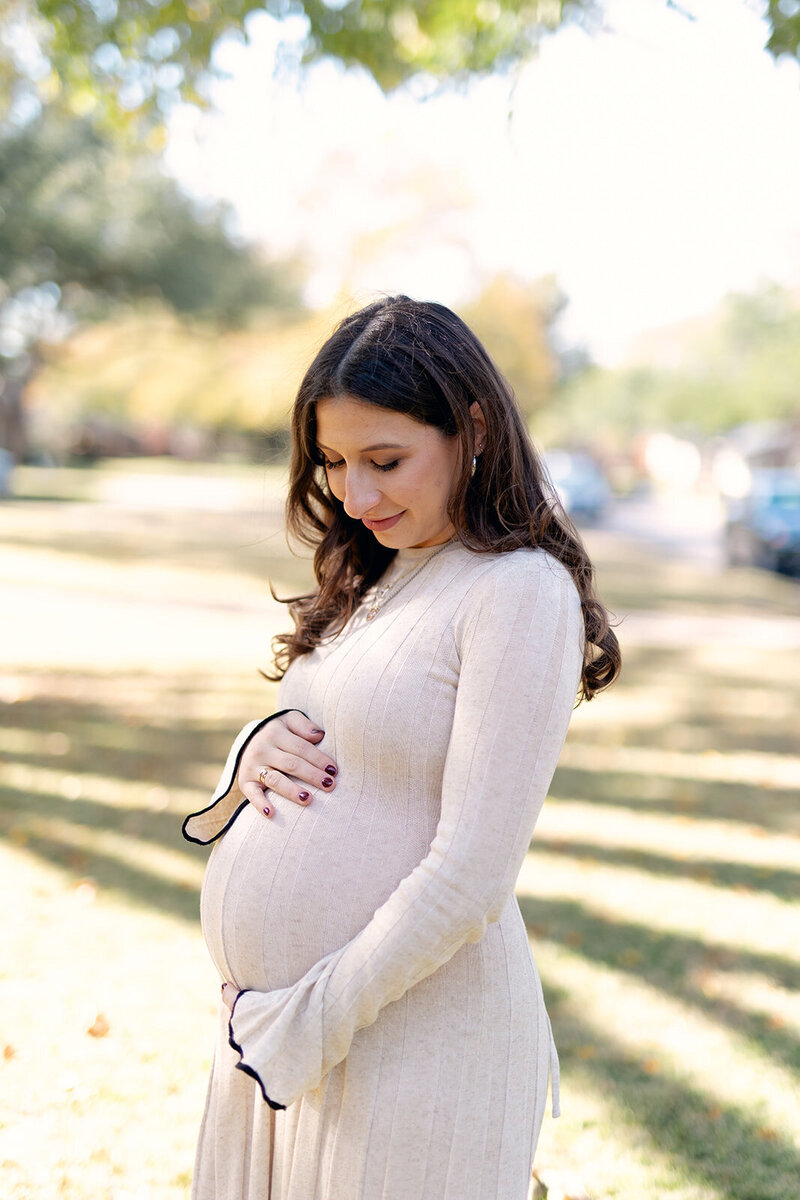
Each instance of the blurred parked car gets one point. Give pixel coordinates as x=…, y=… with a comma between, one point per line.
x=6, y=469
x=581, y=485
x=763, y=528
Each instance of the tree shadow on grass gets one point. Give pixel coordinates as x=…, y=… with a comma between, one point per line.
x=101, y=740
x=686, y=664
x=700, y=731
x=118, y=876
x=639, y=579
x=246, y=544
x=710, y=1141
x=671, y=962
x=170, y=758
x=774, y=809
x=778, y=881
x=18, y=810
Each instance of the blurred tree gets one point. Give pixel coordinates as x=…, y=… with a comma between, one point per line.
x=784, y=22
x=516, y=319
x=148, y=369
x=85, y=227
x=122, y=56
x=747, y=368
x=118, y=57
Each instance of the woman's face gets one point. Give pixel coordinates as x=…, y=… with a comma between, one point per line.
x=389, y=471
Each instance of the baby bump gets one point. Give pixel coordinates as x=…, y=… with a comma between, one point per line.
x=280, y=894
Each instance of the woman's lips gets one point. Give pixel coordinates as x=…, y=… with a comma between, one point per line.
x=386, y=523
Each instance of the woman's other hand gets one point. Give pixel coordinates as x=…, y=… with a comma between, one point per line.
x=229, y=994
x=282, y=759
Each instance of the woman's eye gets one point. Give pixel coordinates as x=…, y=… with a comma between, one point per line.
x=330, y=465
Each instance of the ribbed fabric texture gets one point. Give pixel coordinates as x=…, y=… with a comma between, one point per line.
x=394, y=1006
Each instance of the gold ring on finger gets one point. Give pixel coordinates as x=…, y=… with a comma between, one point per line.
x=261, y=775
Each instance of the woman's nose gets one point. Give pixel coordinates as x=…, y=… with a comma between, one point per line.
x=360, y=496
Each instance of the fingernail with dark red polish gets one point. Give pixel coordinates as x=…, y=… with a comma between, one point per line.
x=327, y=781
x=331, y=769
x=304, y=796
x=267, y=811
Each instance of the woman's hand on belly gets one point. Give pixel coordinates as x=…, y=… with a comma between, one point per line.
x=281, y=759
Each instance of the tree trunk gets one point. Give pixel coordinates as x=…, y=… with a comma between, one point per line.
x=13, y=417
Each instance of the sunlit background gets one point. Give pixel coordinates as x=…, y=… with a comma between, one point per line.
x=609, y=193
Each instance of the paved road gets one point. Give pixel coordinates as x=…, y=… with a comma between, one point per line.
x=682, y=525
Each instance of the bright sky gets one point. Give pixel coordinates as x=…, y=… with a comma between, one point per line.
x=652, y=167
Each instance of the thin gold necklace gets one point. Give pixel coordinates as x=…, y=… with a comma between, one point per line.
x=397, y=585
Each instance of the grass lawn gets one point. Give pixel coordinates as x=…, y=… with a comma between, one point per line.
x=661, y=890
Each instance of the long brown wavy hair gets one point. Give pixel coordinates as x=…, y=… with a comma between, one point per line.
x=422, y=360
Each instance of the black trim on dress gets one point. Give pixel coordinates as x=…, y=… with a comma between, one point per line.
x=222, y=795
x=242, y=1066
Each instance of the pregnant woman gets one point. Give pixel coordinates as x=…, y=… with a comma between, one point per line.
x=382, y=1033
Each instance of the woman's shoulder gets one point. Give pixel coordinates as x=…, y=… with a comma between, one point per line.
x=521, y=577
x=526, y=564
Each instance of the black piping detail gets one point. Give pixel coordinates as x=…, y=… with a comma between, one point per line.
x=242, y=1066
x=222, y=795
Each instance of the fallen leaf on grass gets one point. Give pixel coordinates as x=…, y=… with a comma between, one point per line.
x=775, y=1021
x=587, y=1051
x=574, y=938
x=100, y=1027
x=629, y=957
x=651, y=1065
x=9, y=1052
x=714, y=1112
x=767, y=1134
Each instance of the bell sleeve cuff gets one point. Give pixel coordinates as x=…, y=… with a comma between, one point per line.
x=209, y=823
x=242, y=1065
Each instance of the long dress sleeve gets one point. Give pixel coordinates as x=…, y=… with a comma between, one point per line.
x=519, y=634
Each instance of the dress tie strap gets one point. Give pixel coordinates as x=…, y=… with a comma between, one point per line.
x=555, y=1074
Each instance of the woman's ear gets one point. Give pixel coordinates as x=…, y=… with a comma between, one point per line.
x=478, y=425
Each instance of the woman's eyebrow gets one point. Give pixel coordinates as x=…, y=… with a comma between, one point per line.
x=372, y=449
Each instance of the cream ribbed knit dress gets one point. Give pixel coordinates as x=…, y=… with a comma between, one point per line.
x=394, y=1011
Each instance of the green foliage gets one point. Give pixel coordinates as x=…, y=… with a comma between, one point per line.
x=123, y=57
x=394, y=39
x=88, y=228
x=80, y=214
x=150, y=368
x=784, y=20
x=747, y=369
